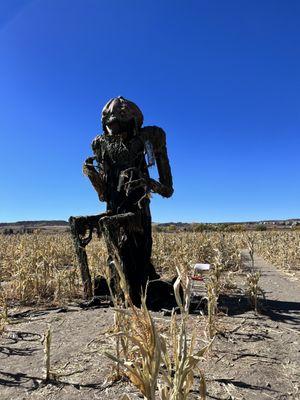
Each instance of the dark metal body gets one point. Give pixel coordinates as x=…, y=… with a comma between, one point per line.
x=121, y=179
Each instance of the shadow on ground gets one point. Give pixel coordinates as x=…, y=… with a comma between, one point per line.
x=22, y=380
x=276, y=310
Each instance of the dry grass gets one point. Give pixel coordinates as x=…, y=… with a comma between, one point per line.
x=3, y=312
x=40, y=268
x=253, y=290
x=155, y=362
x=281, y=249
x=46, y=341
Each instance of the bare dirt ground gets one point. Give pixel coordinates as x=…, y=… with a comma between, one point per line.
x=252, y=357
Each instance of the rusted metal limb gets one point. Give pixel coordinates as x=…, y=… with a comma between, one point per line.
x=82, y=229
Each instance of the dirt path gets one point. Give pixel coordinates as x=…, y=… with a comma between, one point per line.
x=282, y=293
x=260, y=359
x=253, y=356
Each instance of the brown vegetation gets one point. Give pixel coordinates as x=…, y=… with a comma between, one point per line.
x=38, y=268
x=158, y=356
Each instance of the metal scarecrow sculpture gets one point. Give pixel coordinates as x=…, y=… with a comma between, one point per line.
x=119, y=173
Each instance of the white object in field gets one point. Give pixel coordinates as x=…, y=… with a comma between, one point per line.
x=198, y=289
x=201, y=267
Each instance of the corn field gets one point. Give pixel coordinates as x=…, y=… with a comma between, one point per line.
x=37, y=268
x=158, y=358
x=281, y=249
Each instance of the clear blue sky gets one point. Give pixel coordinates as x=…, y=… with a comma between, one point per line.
x=221, y=77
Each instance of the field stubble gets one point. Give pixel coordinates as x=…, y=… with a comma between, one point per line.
x=39, y=269
x=42, y=268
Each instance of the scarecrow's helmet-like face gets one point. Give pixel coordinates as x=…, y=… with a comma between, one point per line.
x=120, y=115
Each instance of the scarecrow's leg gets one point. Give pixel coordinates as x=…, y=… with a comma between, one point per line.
x=80, y=226
x=125, y=239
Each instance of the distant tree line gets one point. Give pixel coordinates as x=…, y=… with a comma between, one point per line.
x=202, y=227
x=10, y=231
